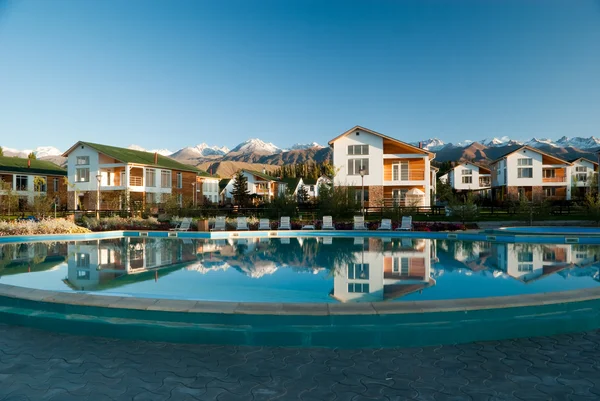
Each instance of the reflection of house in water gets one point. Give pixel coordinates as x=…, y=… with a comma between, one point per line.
x=529, y=262
x=385, y=269
x=95, y=264
x=31, y=257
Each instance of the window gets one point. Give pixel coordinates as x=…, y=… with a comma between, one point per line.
x=365, y=195
x=358, y=149
x=525, y=162
x=467, y=171
x=150, y=198
x=581, y=177
x=165, y=179
x=467, y=180
x=83, y=274
x=82, y=174
x=40, y=184
x=83, y=160
x=358, y=288
x=399, y=196
x=354, y=166
x=150, y=177
x=22, y=182
x=56, y=185
x=179, y=180
x=550, y=191
x=525, y=256
x=82, y=259
x=358, y=271
x=525, y=172
x=549, y=173
x=581, y=169
x=312, y=188
x=549, y=256
x=525, y=267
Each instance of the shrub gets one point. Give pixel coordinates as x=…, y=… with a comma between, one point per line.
x=46, y=226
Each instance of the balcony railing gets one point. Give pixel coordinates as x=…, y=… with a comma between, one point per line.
x=413, y=175
x=554, y=179
x=135, y=181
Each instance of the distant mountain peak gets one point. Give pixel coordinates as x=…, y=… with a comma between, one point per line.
x=163, y=152
x=301, y=146
x=255, y=145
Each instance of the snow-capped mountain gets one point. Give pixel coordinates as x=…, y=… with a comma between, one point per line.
x=201, y=150
x=538, y=142
x=431, y=144
x=256, y=145
x=40, y=151
x=164, y=152
x=579, y=142
x=301, y=146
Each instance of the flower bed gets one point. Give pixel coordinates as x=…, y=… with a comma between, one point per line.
x=122, y=223
x=46, y=226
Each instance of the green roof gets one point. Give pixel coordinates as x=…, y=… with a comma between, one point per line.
x=19, y=165
x=309, y=181
x=262, y=175
x=292, y=183
x=138, y=157
x=223, y=183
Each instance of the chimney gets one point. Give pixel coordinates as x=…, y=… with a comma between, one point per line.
x=28, y=163
x=420, y=145
x=155, y=157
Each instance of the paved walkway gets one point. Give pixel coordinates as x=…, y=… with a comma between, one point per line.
x=38, y=365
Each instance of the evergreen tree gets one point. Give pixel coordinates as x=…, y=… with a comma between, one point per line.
x=240, y=193
x=31, y=156
x=1, y=151
x=303, y=196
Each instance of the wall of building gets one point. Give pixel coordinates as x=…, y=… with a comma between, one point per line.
x=375, y=156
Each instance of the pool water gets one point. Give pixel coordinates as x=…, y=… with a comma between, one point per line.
x=300, y=269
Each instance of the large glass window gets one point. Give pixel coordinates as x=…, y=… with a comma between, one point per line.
x=56, y=185
x=525, y=172
x=165, y=179
x=355, y=165
x=150, y=177
x=179, y=180
x=22, y=181
x=467, y=179
x=358, y=271
x=358, y=288
x=525, y=162
x=82, y=175
x=83, y=160
x=358, y=149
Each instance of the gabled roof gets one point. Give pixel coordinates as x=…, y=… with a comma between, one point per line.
x=223, y=183
x=309, y=181
x=292, y=183
x=125, y=155
x=262, y=175
x=20, y=165
x=531, y=149
x=583, y=158
x=479, y=166
x=358, y=127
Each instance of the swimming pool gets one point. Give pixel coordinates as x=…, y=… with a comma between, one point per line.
x=331, y=270
x=315, y=290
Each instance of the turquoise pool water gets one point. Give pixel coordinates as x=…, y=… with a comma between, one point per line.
x=300, y=269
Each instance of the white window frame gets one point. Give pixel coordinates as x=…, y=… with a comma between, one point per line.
x=150, y=177
x=82, y=161
x=468, y=179
x=525, y=161
x=179, y=180
x=20, y=187
x=358, y=150
x=521, y=170
x=165, y=178
x=354, y=166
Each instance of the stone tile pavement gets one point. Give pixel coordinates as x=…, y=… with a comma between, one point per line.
x=38, y=365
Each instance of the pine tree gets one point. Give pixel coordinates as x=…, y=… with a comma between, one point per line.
x=240, y=193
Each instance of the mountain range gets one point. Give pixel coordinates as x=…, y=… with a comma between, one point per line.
x=257, y=154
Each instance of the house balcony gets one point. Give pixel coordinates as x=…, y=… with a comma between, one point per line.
x=554, y=180
x=412, y=177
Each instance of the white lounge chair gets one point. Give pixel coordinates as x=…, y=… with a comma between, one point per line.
x=359, y=223
x=242, y=224
x=219, y=224
x=406, y=224
x=264, y=224
x=284, y=224
x=184, y=225
x=386, y=224
x=327, y=223
x=327, y=240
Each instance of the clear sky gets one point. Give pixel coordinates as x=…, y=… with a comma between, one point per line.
x=168, y=74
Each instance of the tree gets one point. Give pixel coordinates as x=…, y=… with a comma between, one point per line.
x=9, y=200
x=1, y=151
x=240, y=193
x=592, y=206
x=303, y=196
x=42, y=205
x=31, y=156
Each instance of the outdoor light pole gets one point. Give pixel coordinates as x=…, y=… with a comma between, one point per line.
x=362, y=193
x=98, y=178
x=194, y=189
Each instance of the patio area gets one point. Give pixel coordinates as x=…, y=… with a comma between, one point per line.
x=39, y=365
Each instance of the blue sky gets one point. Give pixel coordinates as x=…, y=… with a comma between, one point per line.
x=177, y=73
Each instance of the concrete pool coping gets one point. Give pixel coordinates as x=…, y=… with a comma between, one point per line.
x=297, y=309
x=504, y=235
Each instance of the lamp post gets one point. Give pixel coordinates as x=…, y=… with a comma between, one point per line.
x=194, y=189
x=98, y=178
x=362, y=172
